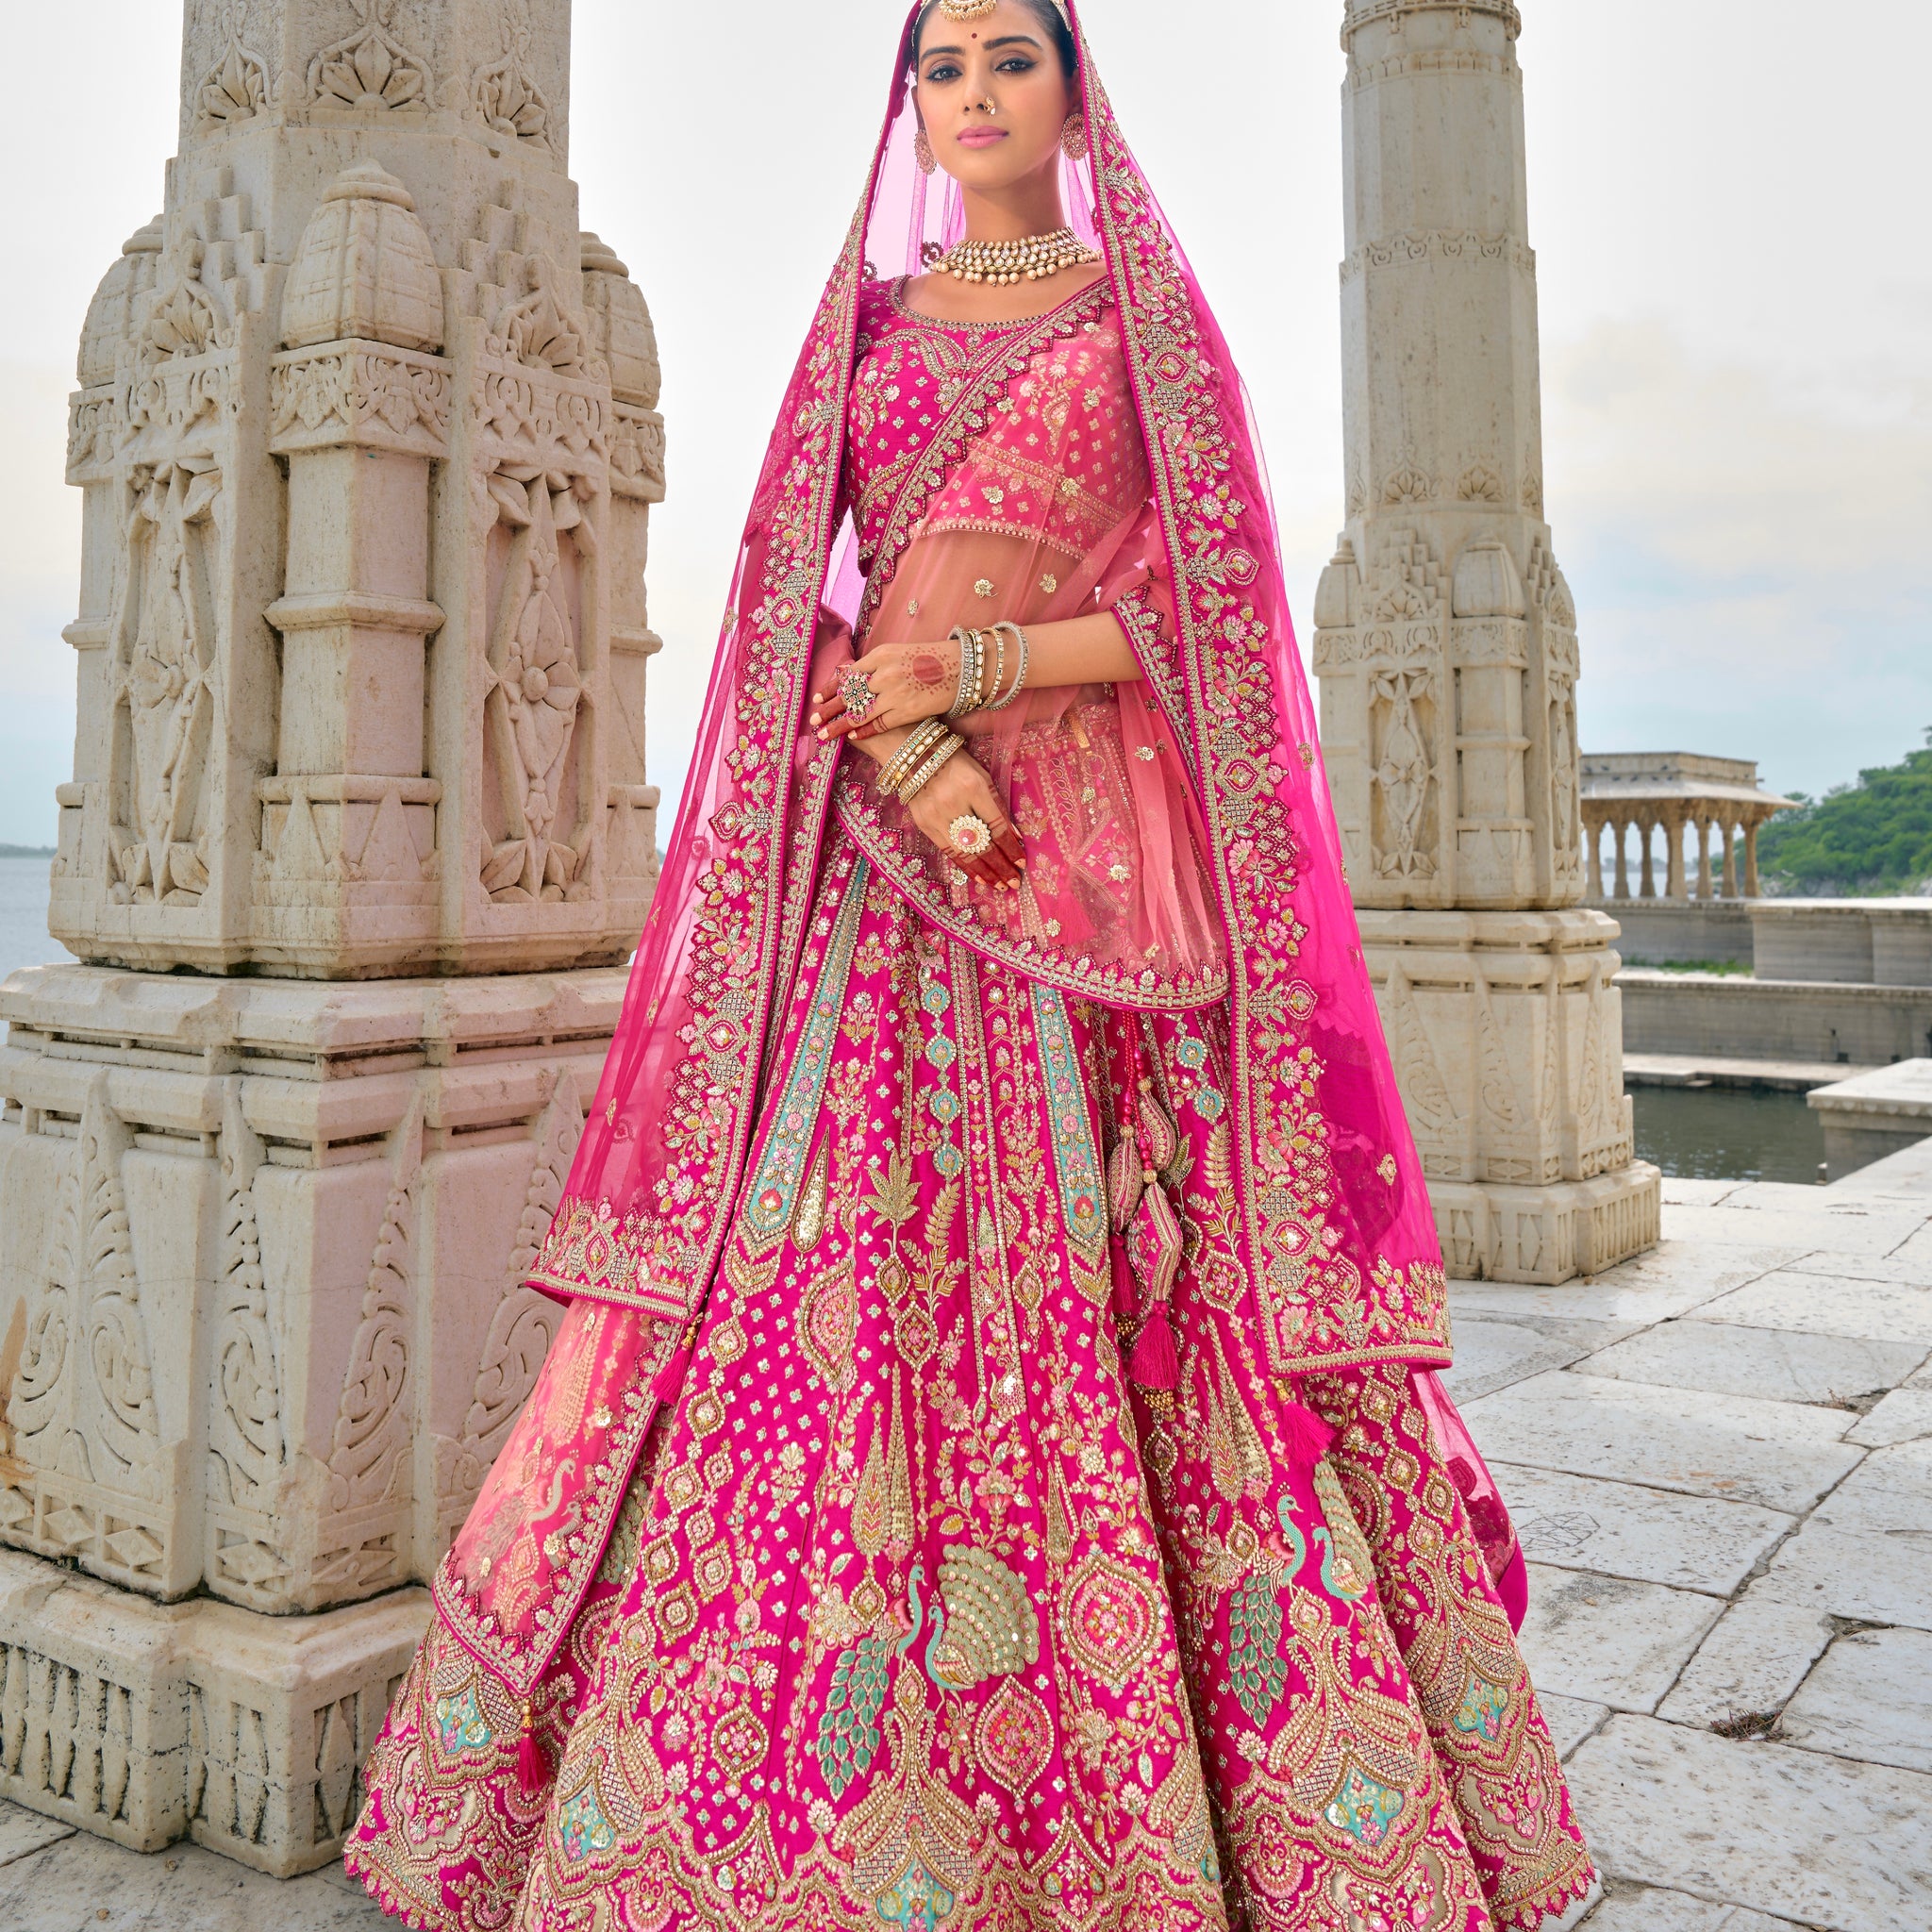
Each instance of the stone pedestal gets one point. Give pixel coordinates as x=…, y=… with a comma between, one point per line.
x=262, y=1334
x=367, y=438
x=1507, y=1029
x=1445, y=646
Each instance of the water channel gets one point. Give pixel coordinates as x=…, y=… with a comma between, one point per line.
x=1728, y=1133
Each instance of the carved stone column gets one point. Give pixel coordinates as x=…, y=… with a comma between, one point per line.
x=367, y=436
x=1445, y=645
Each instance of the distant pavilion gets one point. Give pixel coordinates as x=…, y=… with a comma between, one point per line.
x=1673, y=789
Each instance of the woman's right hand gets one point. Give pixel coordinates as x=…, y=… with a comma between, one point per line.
x=959, y=789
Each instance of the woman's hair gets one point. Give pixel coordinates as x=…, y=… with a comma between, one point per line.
x=1048, y=15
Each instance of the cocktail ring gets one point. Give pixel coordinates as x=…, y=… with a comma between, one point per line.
x=970, y=835
x=856, y=689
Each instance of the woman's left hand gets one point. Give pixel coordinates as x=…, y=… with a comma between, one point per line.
x=908, y=682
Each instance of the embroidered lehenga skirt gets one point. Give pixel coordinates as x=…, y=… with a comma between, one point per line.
x=919, y=1615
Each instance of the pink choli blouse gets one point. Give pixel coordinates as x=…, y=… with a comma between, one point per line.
x=1000, y=473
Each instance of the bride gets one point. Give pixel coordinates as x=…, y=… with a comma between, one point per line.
x=991, y=1471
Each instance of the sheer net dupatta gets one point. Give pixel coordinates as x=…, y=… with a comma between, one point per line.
x=1334, y=1217
x=1029, y=504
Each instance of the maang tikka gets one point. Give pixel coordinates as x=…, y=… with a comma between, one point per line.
x=978, y=10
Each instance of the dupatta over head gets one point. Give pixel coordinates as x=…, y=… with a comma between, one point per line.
x=1335, y=1218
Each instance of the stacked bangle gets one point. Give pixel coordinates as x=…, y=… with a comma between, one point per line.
x=913, y=787
x=975, y=692
x=927, y=735
x=997, y=703
x=972, y=646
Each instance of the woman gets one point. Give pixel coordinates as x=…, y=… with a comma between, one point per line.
x=991, y=1471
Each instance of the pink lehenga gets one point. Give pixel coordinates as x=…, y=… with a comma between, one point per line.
x=991, y=1471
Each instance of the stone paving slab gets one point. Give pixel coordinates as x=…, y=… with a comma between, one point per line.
x=1784, y=1831
x=1673, y=1279
x=1752, y=1660
x=22, y=1832
x=1651, y=1536
x=1778, y=1364
x=1491, y=1354
x=1606, y=1639
x=1571, y=1719
x=1898, y=1269
x=1904, y=1416
x=1651, y=1910
x=1869, y=1228
x=1829, y=1304
x=1781, y=1455
x=87, y=1885
x=1870, y=1697
x=1890, y=1495
x=1880, y=1579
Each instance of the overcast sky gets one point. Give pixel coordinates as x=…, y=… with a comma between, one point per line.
x=1738, y=392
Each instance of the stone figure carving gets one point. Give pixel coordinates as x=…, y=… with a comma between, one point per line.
x=535, y=687
x=165, y=686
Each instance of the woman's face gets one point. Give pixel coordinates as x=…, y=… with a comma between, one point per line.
x=1005, y=61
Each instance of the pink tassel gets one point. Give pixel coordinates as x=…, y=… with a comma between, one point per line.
x=1155, y=1363
x=1304, y=1435
x=533, y=1762
x=668, y=1380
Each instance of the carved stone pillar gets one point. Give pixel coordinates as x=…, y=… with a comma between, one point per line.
x=1704, y=855
x=1445, y=646
x=1751, y=825
x=1623, y=826
x=367, y=436
x=1646, y=829
x=1593, y=844
x=1674, y=854
x=1730, y=825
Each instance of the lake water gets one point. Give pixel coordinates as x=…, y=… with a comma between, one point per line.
x=1728, y=1134
x=1711, y=1133
x=23, y=936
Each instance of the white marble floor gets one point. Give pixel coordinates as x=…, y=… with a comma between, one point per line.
x=1720, y=1459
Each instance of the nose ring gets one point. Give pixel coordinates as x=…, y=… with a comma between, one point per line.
x=989, y=106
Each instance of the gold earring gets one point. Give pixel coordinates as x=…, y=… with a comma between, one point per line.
x=1074, y=136
x=922, y=151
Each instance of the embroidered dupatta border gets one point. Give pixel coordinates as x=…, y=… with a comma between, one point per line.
x=1317, y=1313
x=853, y=799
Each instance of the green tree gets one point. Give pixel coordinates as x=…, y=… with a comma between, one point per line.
x=1873, y=837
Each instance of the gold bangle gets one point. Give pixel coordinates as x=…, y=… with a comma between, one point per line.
x=930, y=769
x=904, y=761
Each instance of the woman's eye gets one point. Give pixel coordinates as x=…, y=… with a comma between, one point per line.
x=942, y=73
x=1015, y=63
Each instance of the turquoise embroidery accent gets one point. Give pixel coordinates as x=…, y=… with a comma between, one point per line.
x=460, y=1724
x=584, y=1827
x=774, y=1188
x=1074, y=1155
x=1209, y=1103
x=1363, y=1809
x=1480, y=1713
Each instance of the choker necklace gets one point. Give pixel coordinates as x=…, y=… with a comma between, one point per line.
x=1031, y=259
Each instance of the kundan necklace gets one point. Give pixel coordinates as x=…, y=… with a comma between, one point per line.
x=1031, y=259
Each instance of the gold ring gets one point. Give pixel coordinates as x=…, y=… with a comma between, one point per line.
x=971, y=836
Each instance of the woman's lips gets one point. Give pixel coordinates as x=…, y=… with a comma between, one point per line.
x=981, y=137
